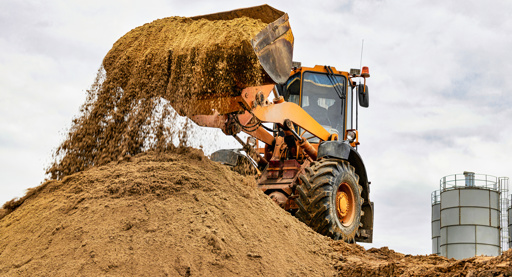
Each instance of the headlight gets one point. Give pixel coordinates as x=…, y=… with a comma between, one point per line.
x=351, y=136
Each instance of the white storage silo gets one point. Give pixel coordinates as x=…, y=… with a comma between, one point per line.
x=509, y=212
x=505, y=217
x=469, y=216
x=436, y=222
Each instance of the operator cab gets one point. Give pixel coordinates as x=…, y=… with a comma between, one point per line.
x=322, y=97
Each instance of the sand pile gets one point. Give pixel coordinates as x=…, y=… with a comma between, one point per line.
x=180, y=214
x=165, y=63
x=175, y=214
x=354, y=260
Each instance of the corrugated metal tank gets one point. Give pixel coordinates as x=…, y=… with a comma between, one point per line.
x=509, y=212
x=436, y=222
x=469, y=217
x=505, y=213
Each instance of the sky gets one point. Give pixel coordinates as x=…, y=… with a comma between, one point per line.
x=440, y=99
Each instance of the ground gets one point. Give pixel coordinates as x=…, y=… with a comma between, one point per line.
x=179, y=214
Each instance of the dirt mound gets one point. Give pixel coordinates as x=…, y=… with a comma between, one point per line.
x=180, y=214
x=354, y=260
x=175, y=214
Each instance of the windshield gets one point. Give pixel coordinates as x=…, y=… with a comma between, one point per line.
x=321, y=101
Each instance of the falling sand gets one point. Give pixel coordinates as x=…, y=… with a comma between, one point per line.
x=165, y=63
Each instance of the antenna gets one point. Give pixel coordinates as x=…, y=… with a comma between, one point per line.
x=361, y=61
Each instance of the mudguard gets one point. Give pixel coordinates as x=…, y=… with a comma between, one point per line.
x=342, y=150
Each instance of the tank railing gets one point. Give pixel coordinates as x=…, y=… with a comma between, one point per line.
x=475, y=180
x=435, y=197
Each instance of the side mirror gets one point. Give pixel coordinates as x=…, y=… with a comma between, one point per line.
x=364, y=96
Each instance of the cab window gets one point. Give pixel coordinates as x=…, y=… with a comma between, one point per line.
x=322, y=101
x=292, y=89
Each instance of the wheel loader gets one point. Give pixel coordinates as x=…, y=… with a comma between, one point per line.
x=307, y=121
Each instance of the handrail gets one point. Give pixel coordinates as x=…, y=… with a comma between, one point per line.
x=455, y=181
x=435, y=197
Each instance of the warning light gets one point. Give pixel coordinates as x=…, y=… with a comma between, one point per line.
x=366, y=72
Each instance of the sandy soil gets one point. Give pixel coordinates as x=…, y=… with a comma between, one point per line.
x=175, y=214
x=180, y=214
x=168, y=62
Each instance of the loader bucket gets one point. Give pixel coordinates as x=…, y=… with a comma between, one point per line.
x=273, y=45
x=274, y=48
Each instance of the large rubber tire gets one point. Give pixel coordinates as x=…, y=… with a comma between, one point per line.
x=330, y=199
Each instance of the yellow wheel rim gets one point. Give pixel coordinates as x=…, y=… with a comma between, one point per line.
x=345, y=204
